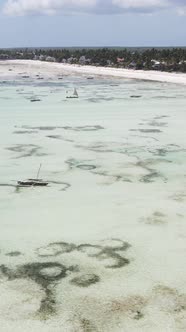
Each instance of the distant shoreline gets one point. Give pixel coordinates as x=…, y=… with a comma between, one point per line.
x=50, y=67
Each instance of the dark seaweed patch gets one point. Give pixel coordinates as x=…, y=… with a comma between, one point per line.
x=19, y=147
x=111, y=250
x=92, y=250
x=147, y=130
x=150, y=177
x=115, y=177
x=85, y=280
x=171, y=148
x=83, y=128
x=73, y=163
x=7, y=272
x=56, y=248
x=54, y=136
x=40, y=127
x=157, y=124
x=48, y=274
x=25, y=132
x=87, y=325
x=117, y=244
x=13, y=253
x=153, y=174
x=179, y=196
x=78, y=128
x=160, y=117
x=86, y=167
x=107, y=252
x=161, y=152
x=100, y=148
x=66, y=185
x=156, y=218
x=45, y=275
x=47, y=305
x=61, y=138
x=26, y=150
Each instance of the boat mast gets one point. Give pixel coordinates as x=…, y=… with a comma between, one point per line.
x=38, y=171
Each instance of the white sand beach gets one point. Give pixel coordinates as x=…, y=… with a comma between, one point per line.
x=102, y=247
x=52, y=68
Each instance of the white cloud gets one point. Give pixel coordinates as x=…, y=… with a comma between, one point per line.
x=141, y=4
x=182, y=11
x=49, y=7
x=24, y=7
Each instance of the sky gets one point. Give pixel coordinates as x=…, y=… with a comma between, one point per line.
x=68, y=23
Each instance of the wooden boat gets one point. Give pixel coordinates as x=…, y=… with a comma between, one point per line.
x=33, y=182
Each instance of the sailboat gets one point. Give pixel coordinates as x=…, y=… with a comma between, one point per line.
x=33, y=182
x=74, y=95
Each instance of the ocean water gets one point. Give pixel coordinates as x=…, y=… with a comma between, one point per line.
x=102, y=247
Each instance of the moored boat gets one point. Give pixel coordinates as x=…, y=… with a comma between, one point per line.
x=32, y=183
x=74, y=95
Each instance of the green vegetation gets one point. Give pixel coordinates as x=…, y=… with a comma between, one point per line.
x=163, y=59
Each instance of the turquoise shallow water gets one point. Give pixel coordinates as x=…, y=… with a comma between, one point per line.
x=103, y=244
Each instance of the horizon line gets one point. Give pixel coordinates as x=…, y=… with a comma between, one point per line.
x=108, y=46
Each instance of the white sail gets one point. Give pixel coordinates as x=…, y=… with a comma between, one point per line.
x=75, y=93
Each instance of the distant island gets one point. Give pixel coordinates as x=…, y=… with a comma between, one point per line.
x=159, y=59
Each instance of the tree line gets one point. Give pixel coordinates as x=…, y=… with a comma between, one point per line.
x=164, y=59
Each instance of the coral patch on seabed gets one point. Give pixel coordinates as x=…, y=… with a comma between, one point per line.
x=85, y=280
x=55, y=249
x=81, y=164
x=49, y=273
x=147, y=130
x=25, y=132
x=101, y=252
x=78, y=128
x=26, y=150
x=13, y=253
x=45, y=275
x=157, y=218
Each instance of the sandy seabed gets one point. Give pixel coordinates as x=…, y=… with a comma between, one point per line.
x=102, y=248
